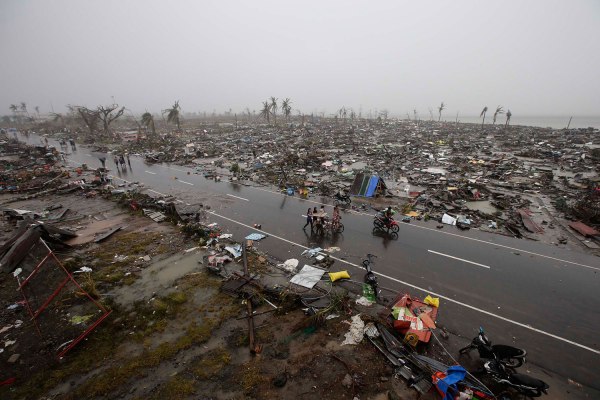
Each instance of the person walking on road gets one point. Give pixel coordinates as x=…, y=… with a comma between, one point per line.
x=117, y=162
x=309, y=219
x=128, y=160
x=335, y=220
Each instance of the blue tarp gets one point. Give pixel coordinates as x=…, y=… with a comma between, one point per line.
x=455, y=374
x=367, y=186
x=372, y=186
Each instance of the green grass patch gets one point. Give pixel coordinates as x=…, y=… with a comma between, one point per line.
x=112, y=278
x=129, y=279
x=124, y=370
x=199, y=280
x=211, y=363
x=131, y=244
x=175, y=388
x=251, y=376
x=177, y=297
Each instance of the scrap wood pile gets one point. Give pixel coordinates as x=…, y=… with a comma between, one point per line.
x=29, y=168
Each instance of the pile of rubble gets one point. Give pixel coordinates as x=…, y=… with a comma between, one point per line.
x=492, y=177
x=517, y=180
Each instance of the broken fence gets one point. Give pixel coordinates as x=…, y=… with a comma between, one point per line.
x=62, y=311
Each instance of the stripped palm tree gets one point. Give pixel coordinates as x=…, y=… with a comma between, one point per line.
x=24, y=108
x=508, y=115
x=15, y=110
x=342, y=113
x=440, y=109
x=286, y=107
x=483, y=115
x=274, y=108
x=148, y=122
x=499, y=110
x=56, y=117
x=266, y=111
x=173, y=114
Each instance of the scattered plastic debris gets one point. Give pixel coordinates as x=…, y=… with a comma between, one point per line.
x=290, y=265
x=256, y=236
x=308, y=276
x=363, y=301
x=356, y=332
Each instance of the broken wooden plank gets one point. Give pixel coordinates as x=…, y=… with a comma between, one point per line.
x=19, y=250
x=61, y=214
x=108, y=234
x=156, y=216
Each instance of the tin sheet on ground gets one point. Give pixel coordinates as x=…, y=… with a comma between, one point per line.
x=308, y=276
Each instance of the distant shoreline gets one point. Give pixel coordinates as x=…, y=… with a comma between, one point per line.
x=558, y=122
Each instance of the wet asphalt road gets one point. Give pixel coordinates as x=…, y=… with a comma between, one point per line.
x=538, y=297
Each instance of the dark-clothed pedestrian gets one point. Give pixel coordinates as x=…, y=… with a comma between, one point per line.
x=128, y=160
x=309, y=220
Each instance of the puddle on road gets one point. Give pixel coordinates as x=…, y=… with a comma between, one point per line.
x=484, y=206
x=159, y=275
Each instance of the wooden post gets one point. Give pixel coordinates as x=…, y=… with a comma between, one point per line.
x=249, y=310
x=250, y=325
x=245, y=257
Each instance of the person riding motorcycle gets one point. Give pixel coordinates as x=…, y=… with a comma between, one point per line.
x=388, y=216
x=341, y=195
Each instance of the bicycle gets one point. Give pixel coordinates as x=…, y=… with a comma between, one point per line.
x=328, y=226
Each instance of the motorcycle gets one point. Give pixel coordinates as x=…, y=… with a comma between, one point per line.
x=342, y=199
x=381, y=222
x=370, y=277
x=512, y=357
x=524, y=384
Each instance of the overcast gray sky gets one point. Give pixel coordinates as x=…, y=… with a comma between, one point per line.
x=534, y=57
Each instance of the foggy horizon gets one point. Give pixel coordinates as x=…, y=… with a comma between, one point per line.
x=538, y=58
